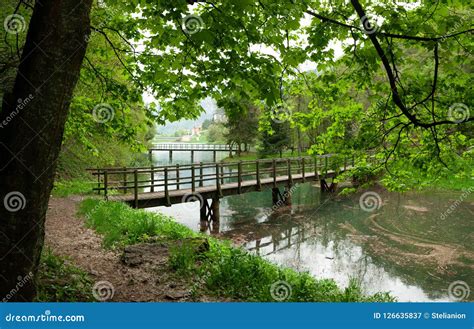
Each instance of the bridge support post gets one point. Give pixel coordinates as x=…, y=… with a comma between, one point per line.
x=150, y=156
x=215, y=209
x=214, y=155
x=170, y=155
x=209, y=212
x=325, y=188
x=192, y=156
x=287, y=195
x=275, y=195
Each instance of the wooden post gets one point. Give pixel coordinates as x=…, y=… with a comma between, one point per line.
x=124, y=190
x=170, y=155
x=290, y=179
x=177, y=176
x=202, y=209
x=302, y=169
x=239, y=177
x=215, y=209
x=152, y=179
x=98, y=181
x=214, y=155
x=167, y=194
x=192, y=156
x=325, y=166
x=275, y=194
x=274, y=173
x=259, y=184
x=193, y=179
x=135, y=188
x=150, y=156
x=222, y=174
x=218, y=181
x=106, y=178
x=201, y=183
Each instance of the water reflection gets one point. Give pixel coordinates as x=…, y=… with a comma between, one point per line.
x=404, y=247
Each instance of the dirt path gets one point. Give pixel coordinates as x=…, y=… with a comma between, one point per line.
x=149, y=279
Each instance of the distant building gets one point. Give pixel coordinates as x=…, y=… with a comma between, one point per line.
x=186, y=138
x=219, y=116
x=196, y=131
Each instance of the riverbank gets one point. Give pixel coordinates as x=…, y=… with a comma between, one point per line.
x=143, y=256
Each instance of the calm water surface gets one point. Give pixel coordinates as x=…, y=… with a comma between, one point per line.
x=410, y=246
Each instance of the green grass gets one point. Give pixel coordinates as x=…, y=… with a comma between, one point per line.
x=64, y=188
x=222, y=270
x=121, y=225
x=59, y=281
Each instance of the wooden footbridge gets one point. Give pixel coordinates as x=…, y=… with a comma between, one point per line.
x=192, y=147
x=207, y=182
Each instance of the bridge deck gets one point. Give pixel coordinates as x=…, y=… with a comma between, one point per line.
x=155, y=199
x=167, y=185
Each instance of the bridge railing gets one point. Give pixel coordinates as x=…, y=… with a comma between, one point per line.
x=169, y=178
x=192, y=146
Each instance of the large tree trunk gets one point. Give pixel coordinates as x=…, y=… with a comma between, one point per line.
x=31, y=139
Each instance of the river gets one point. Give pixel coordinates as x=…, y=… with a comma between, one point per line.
x=409, y=244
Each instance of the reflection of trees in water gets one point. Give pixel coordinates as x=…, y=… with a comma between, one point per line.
x=284, y=230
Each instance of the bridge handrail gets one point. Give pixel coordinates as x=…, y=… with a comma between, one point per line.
x=191, y=176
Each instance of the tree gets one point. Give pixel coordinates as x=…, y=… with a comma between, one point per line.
x=30, y=143
x=195, y=49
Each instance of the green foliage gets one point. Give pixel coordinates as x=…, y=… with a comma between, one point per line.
x=224, y=270
x=59, y=281
x=122, y=225
x=64, y=188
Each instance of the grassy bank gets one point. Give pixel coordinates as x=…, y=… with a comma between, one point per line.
x=60, y=281
x=217, y=269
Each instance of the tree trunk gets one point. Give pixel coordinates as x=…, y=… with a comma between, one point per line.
x=30, y=141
